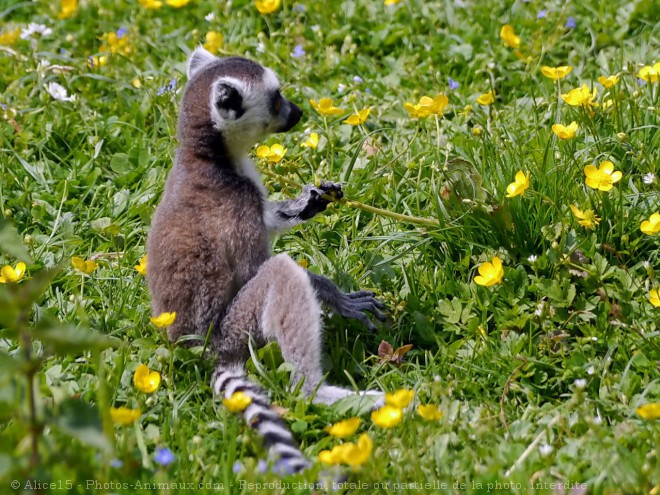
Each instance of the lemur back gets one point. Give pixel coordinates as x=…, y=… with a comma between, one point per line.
x=208, y=249
x=208, y=236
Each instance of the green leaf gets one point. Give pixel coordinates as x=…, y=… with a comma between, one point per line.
x=9, y=311
x=6, y=465
x=16, y=300
x=11, y=243
x=354, y=405
x=451, y=311
x=82, y=421
x=271, y=355
x=105, y=225
x=65, y=338
x=299, y=426
x=120, y=163
x=8, y=365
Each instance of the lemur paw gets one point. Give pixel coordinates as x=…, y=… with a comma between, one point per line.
x=355, y=304
x=331, y=189
x=316, y=203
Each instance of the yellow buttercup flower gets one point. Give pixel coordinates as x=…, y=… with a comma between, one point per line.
x=267, y=6
x=587, y=218
x=85, y=266
x=654, y=297
x=11, y=275
x=344, y=428
x=325, y=107
x=163, y=320
x=565, y=132
x=145, y=380
x=486, y=98
x=609, y=81
x=238, y=402
x=96, y=62
x=416, y=111
x=602, y=178
x=391, y=2
x=177, y=3
x=151, y=4
x=650, y=73
x=356, y=454
x=467, y=110
x=142, y=267
x=509, y=36
x=427, y=106
x=273, y=154
x=519, y=186
x=353, y=454
x=649, y=411
x=399, y=399
x=387, y=416
x=555, y=73
x=329, y=457
x=67, y=8
x=359, y=117
x=124, y=415
x=430, y=412
x=113, y=43
x=649, y=227
x=214, y=41
x=437, y=105
x=490, y=272
x=580, y=97
x=312, y=141
x=10, y=37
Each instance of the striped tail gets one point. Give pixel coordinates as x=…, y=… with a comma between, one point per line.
x=260, y=416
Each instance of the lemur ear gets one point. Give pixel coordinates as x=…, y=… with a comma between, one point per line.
x=228, y=100
x=199, y=58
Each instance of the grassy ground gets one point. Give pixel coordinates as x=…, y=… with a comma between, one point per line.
x=538, y=376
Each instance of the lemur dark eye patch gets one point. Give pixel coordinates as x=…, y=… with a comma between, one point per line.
x=276, y=102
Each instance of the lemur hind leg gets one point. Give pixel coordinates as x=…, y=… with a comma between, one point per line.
x=281, y=299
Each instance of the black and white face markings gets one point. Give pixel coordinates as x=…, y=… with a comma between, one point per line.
x=246, y=106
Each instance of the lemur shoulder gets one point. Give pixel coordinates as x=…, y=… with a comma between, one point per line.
x=209, y=250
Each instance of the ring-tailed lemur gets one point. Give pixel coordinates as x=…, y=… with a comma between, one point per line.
x=208, y=249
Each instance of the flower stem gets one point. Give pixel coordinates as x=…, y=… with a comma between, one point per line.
x=35, y=429
x=431, y=222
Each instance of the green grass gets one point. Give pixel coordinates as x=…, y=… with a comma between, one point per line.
x=82, y=178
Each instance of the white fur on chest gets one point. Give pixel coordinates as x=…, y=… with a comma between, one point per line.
x=246, y=168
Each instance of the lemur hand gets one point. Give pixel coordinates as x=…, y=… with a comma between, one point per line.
x=316, y=203
x=349, y=305
x=354, y=304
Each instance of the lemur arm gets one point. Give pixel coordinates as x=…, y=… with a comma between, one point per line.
x=349, y=305
x=283, y=215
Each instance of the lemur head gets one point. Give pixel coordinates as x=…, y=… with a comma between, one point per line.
x=233, y=103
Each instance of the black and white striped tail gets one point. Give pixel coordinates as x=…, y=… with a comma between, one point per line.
x=260, y=416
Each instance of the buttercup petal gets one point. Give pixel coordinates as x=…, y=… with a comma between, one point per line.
x=616, y=176
x=606, y=166
x=590, y=170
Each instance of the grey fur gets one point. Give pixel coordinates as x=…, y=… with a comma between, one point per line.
x=208, y=249
x=283, y=215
